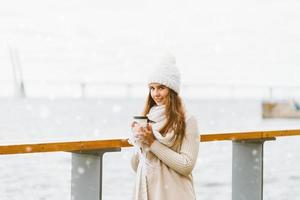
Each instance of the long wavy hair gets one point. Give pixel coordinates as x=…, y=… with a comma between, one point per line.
x=175, y=115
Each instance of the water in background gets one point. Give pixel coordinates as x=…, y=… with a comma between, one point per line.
x=46, y=176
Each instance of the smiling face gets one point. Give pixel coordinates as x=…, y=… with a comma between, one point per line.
x=159, y=93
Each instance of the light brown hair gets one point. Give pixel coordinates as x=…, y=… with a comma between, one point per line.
x=175, y=115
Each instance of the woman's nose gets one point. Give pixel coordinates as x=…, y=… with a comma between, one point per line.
x=155, y=93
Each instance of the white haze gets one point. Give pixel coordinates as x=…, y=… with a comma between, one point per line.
x=223, y=42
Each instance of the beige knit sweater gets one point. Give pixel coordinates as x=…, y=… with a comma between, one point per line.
x=172, y=179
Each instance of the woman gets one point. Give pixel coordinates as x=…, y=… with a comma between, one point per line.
x=169, y=144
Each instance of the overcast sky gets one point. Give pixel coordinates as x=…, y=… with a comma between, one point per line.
x=239, y=42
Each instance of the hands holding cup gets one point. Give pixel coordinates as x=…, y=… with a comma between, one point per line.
x=142, y=132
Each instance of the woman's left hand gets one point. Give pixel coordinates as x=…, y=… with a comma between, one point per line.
x=146, y=135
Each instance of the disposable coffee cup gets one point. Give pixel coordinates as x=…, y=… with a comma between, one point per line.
x=141, y=120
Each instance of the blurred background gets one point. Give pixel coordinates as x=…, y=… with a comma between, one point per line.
x=77, y=70
x=66, y=45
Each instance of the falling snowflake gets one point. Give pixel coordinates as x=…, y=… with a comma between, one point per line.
x=116, y=108
x=254, y=152
x=78, y=117
x=45, y=112
x=28, y=149
x=80, y=170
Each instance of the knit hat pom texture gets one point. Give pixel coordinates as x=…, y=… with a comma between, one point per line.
x=166, y=73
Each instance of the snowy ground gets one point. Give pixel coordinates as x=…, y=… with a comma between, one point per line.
x=47, y=176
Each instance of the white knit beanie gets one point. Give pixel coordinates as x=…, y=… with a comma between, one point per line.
x=166, y=73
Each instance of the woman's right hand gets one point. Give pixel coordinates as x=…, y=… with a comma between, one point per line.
x=136, y=129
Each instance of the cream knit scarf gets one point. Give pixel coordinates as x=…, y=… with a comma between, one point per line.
x=157, y=116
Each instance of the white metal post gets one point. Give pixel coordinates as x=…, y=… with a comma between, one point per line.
x=247, y=169
x=86, y=180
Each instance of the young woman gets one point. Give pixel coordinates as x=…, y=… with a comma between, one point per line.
x=168, y=145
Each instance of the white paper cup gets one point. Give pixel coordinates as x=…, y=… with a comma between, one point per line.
x=141, y=120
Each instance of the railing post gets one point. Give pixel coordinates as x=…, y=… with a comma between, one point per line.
x=247, y=169
x=86, y=179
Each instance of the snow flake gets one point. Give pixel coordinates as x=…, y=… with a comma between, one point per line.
x=116, y=108
x=44, y=112
x=254, y=152
x=80, y=170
